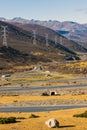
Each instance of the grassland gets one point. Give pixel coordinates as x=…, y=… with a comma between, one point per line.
x=29, y=78
x=79, y=67
x=65, y=118
x=42, y=100
x=23, y=75
x=60, y=74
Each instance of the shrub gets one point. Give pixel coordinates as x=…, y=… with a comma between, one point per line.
x=7, y=120
x=33, y=116
x=21, y=118
x=44, y=94
x=15, y=101
x=81, y=115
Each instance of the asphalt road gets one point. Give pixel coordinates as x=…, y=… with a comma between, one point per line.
x=39, y=88
x=39, y=108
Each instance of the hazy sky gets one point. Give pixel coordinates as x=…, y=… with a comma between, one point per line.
x=61, y=10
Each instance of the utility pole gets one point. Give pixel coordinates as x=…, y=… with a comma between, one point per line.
x=4, y=35
x=46, y=36
x=34, y=37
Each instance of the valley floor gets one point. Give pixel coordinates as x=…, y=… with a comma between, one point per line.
x=65, y=118
x=70, y=89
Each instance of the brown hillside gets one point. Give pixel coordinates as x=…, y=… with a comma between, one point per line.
x=21, y=50
x=41, y=30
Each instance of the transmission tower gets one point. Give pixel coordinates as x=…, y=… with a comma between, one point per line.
x=61, y=40
x=34, y=37
x=4, y=35
x=69, y=37
x=46, y=36
x=55, y=40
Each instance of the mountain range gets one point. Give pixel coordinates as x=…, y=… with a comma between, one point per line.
x=72, y=30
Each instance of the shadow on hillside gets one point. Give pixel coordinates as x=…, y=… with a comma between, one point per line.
x=67, y=126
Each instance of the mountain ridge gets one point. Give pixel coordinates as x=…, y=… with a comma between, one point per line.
x=76, y=31
x=21, y=50
x=42, y=30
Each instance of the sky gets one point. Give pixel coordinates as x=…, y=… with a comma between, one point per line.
x=60, y=10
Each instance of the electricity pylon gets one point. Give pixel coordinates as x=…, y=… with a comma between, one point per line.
x=46, y=36
x=61, y=40
x=4, y=35
x=34, y=37
x=55, y=40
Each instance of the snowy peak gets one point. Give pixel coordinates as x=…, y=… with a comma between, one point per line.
x=2, y=19
x=73, y=30
x=19, y=20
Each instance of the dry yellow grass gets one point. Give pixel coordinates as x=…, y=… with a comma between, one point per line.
x=80, y=65
x=65, y=117
x=37, y=53
x=11, y=99
x=41, y=76
x=31, y=77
